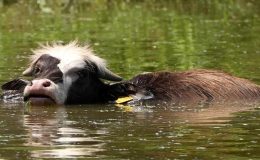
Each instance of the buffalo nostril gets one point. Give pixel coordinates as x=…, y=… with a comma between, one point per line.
x=46, y=84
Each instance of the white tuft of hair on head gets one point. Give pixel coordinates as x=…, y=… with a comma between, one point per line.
x=72, y=56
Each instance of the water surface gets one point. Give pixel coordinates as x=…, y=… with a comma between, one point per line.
x=134, y=37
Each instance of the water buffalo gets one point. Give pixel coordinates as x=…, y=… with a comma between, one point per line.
x=72, y=74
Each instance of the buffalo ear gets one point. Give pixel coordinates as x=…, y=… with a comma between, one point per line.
x=28, y=72
x=16, y=84
x=108, y=75
x=102, y=71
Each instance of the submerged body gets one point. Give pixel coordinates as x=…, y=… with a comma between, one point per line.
x=71, y=74
x=180, y=87
x=196, y=86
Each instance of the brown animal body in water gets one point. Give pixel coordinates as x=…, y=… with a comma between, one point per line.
x=197, y=85
x=71, y=74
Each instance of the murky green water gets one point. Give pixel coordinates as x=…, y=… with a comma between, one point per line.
x=135, y=37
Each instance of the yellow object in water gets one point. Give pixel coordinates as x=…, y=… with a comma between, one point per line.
x=125, y=108
x=124, y=100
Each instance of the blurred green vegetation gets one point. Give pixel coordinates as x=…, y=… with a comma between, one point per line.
x=138, y=35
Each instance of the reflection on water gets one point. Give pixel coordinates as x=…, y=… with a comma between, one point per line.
x=66, y=153
x=151, y=131
x=135, y=37
x=52, y=128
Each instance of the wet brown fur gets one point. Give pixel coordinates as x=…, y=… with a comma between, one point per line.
x=197, y=85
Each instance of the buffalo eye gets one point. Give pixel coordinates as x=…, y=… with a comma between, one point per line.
x=81, y=73
x=37, y=70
